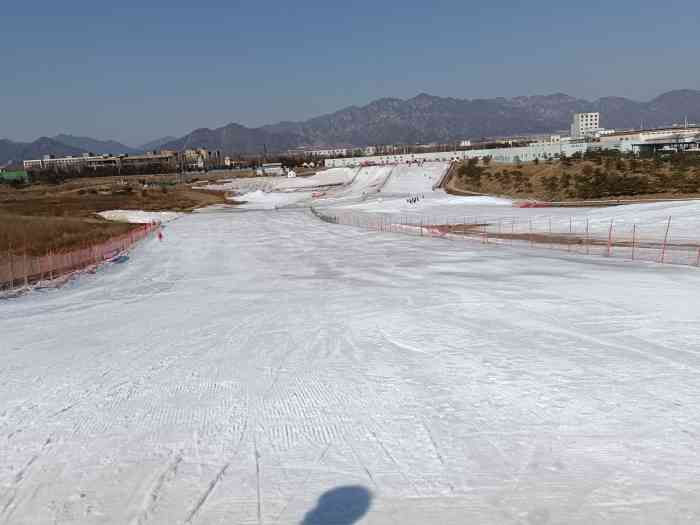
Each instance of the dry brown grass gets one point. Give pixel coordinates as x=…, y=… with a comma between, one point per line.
x=85, y=202
x=530, y=181
x=39, y=235
x=62, y=217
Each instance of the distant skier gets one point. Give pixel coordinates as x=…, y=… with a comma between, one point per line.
x=160, y=235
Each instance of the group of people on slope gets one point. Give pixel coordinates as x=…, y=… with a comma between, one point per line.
x=413, y=199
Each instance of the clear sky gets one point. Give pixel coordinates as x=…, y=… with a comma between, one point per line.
x=134, y=73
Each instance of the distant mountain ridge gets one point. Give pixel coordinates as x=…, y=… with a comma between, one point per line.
x=235, y=138
x=63, y=145
x=98, y=147
x=16, y=152
x=156, y=144
x=426, y=118
x=422, y=119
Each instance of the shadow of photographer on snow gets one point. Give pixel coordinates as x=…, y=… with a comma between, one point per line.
x=340, y=506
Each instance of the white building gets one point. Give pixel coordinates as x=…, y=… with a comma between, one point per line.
x=272, y=169
x=369, y=150
x=585, y=124
x=632, y=140
x=49, y=161
x=330, y=152
x=508, y=155
x=548, y=139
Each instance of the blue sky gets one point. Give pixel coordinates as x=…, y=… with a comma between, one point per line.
x=133, y=72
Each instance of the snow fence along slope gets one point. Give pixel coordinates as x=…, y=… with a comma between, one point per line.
x=252, y=362
x=375, y=197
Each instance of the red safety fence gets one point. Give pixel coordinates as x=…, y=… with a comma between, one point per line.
x=20, y=271
x=653, y=242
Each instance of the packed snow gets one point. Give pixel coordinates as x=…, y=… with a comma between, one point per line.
x=432, y=203
x=413, y=179
x=240, y=185
x=139, y=216
x=367, y=181
x=331, y=177
x=260, y=200
x=268, y=367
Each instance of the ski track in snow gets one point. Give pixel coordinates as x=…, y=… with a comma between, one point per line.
x=250, y=362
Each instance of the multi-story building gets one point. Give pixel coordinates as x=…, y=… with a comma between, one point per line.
x=87, y=164
x=585, y=124
x=202, y=159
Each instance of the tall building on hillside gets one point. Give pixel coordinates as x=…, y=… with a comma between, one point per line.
x=584, y=124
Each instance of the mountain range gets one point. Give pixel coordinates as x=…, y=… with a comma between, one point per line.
x=62, y=145
x=156, y=144
x=15, y=152
x=421, y=119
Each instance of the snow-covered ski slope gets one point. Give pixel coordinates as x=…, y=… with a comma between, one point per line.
x=252, y=362
x=336, y=185
x=367, y=181
x=331, y=177
x=415, y=179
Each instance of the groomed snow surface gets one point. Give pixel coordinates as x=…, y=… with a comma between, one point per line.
x=335, y=186
x=267, y=367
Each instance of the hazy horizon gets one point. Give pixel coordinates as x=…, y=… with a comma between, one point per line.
x=134, y=74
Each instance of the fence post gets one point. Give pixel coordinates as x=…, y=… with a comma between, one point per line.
x=610, y=232
x=41, y=268
x=10, y=273
x=7, y=265
x=634, y=239
x=12, y=268
x=588, y=236
x=25, y=270
x=663, y=248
